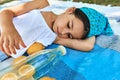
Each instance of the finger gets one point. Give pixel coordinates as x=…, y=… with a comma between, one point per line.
x=8, y=54
x=6, y=47
x=12, y=46
x=12, y=49
x=1, y=45
x=17, y=44
x=22, y=43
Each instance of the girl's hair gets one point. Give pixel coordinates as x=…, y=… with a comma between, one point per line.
x=80, y=15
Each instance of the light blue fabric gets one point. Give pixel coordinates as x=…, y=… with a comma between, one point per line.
x=102, y=63
x=3, y=56
x=99, y=64
x=98, y=23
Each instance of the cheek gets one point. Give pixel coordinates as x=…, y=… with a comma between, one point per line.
x=57, y=24
x=60, y=23
x=81, y=32
x=63, y=36
x=61, y=20
x=78, y=32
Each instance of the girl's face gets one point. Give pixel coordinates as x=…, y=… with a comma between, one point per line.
x=67, y=25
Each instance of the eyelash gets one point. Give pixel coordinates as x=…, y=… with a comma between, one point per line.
x=68, y=25
x=69, y=35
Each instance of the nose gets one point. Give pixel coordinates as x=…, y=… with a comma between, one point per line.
x=65, y=31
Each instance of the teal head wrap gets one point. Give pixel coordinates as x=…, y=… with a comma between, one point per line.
x=98, y=23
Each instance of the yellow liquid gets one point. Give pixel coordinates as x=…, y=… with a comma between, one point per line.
x=26, y=70
x=17, y=62
x=47, y=78
x=9, y=76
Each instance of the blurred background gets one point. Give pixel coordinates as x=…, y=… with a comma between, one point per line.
x=5, y=1
x=101, y=2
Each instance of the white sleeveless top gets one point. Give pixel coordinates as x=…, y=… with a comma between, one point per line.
x=33, y=28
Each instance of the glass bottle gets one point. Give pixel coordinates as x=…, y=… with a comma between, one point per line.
x=34, y=66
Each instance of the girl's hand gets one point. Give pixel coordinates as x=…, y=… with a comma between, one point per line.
x=10, y=40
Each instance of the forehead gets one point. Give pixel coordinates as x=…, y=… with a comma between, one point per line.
x=78, y=28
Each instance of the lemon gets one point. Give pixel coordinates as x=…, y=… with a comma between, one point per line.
x=19, y=61
x=26, y=70
x=26, y=78
x=9, y=76
x=47, y=78
x=35, y=47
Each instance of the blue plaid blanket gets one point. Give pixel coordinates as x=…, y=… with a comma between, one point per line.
x=102, y=63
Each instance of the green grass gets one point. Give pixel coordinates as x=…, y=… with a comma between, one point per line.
x=101, y=2
x=5, y=1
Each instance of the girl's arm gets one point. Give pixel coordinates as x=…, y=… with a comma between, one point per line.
x=26, y=7
x=83, y=45
x=10, y=40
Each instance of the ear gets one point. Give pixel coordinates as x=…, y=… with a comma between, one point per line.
x=70, y=10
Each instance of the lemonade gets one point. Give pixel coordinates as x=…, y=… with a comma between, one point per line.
x=9, y=76
x=26, y=70
x=47, y=78
x=19, y=61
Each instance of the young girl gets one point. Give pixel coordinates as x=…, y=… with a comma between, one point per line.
x=25, y=24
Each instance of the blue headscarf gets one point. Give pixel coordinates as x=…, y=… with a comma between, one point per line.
x=98, y=23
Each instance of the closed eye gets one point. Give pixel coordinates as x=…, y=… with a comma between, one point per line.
x=68, y=25
x=69, y=36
